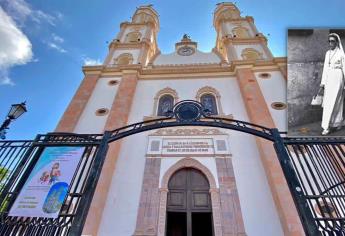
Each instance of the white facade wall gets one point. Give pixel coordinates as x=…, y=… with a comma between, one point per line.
x=121, y=208
x=274, y=90
x=258, y=210
x=257, y=47
x=102, y=97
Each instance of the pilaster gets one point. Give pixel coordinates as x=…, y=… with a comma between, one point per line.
x=231, y=214
x=117, y=118
x=148, y=211
x=258, y=113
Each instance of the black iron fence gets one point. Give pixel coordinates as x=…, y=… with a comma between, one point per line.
x=319, y=165
x=17, y=159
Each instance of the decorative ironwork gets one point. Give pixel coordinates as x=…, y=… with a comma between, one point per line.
x=188, y=111
x=313, y=167
x=191, y=113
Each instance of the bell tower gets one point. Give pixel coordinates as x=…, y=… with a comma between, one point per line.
x=237, y=36
x=136, y=43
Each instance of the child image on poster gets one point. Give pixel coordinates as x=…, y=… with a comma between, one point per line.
x=54, y=173
x=44, y=179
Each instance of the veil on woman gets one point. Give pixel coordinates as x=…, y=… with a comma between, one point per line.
x=340, y=45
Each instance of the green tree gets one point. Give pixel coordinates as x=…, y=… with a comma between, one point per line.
x=3, y=173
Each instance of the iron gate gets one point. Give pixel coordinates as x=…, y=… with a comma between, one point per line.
x=313, y=167
x=318, y=165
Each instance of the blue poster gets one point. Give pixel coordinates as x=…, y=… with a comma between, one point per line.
x=47, y=186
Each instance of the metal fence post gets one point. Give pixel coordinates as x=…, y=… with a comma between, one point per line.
x=309, y=225
x=91, y=183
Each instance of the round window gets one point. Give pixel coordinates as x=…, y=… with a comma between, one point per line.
x=102, y=112
x=113, y=82
x=264, y=75
x=278, y=105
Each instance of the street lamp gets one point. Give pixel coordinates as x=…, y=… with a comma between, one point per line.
x=15, y=111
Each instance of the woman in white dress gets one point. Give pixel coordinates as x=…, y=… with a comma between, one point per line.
x=332, y=85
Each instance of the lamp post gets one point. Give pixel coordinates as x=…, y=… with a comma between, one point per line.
x=15, y=111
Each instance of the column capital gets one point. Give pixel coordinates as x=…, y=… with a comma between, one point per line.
x=214, y=191
x=163, y=190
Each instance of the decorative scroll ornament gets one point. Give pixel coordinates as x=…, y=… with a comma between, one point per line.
x=189, y=111
x=187, y=132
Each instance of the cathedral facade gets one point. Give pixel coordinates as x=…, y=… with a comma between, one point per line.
x=200, y=180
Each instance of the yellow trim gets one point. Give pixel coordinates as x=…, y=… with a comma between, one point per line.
x=117, y=45
x=188, y=71
x=239, y=41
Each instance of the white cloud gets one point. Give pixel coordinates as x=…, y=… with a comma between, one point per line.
x=57, y=38
x=39, y=15
x=59, y=15
x=91, y=62
x=15, y=47
x=56, y=47
x=21, y=11
x=55, y=43
x=5, y=80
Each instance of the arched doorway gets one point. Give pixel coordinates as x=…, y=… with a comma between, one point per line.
x=189, y=208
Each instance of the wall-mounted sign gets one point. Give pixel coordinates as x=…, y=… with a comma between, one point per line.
x=188, y=146
x=46, y=188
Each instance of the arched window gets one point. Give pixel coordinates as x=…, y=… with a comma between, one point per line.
x=124, y=59
x=133, y=37
x=240, y=32
x=214, y=98
x=209, y=103
x=158, y=99
x=165, y=104
x=251, y=54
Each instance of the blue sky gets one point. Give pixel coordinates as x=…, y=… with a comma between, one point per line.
x=44, y=43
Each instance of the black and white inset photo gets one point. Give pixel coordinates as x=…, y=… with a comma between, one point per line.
x=316, y=82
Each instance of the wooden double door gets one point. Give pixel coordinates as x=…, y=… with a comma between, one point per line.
x=189, y=208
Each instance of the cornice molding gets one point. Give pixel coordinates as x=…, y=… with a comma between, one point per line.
x=137, y=45
x=217, y=22
x=127, y=23
x=189, y=70
x=239, y=41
